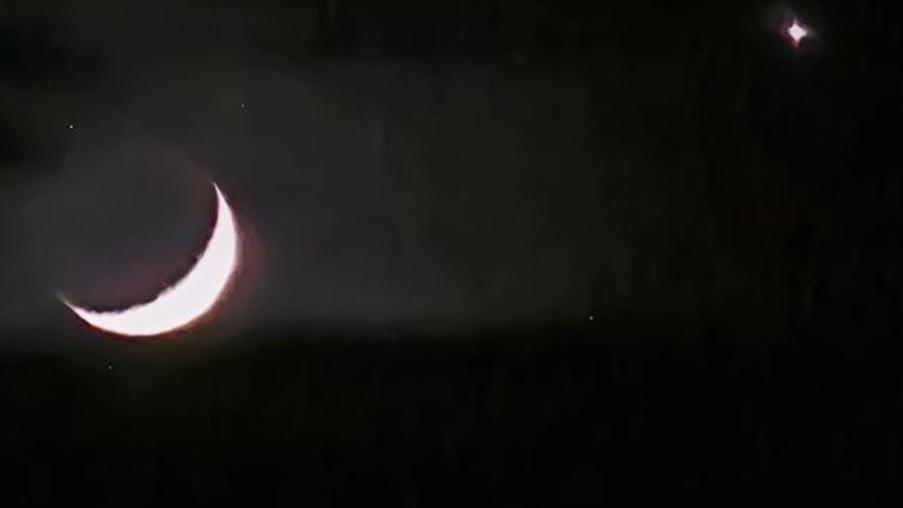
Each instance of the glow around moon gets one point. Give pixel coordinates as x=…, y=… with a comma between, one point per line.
x=188, y=299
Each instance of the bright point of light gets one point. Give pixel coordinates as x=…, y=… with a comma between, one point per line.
x=797, y=32
x=71, y=126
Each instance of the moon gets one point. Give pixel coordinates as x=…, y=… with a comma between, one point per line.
x=187, y=300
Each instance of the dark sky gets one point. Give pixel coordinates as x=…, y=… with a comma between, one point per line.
x=470, y=163
x=521, y=252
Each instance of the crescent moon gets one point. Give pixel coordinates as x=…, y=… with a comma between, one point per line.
x=185, y=301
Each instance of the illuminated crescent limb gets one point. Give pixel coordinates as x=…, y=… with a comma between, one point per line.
x=186, y=300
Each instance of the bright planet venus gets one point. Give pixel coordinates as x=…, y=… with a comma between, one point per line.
x=188, y=299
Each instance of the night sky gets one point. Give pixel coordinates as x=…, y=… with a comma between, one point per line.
x=493, y=251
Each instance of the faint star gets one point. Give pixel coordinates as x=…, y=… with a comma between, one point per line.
x=242, y=105
x=592, y=317
x=109, y=366
x=71, y=126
